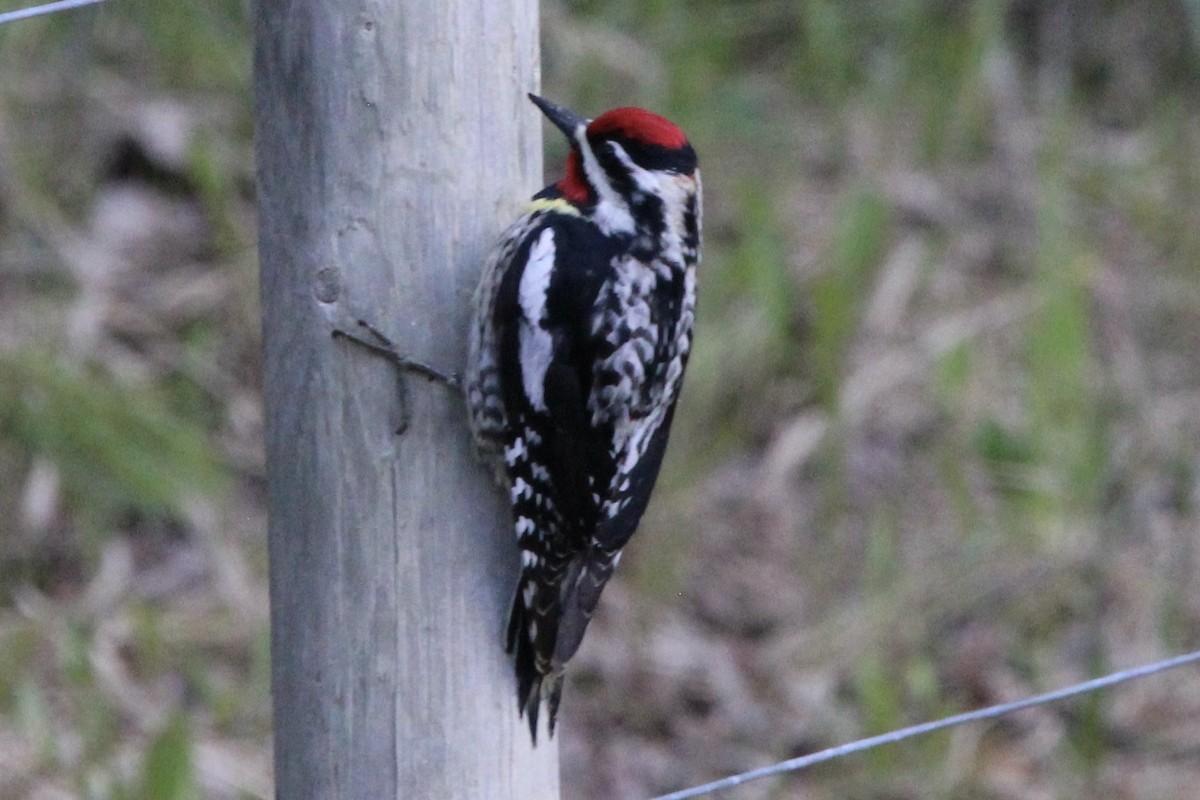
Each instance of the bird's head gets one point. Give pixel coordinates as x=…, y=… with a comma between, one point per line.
x=624, y=156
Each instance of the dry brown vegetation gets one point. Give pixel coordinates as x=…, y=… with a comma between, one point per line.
x=939, y=445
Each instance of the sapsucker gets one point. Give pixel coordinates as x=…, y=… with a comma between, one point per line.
x=582, y=329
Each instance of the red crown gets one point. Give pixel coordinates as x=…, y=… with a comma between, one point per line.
x=639, y=125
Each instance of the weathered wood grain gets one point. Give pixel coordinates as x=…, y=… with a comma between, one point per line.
x=394, y=144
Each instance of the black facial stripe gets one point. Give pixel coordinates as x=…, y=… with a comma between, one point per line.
x=681, y=160
x=618, y=174
x=691, y=239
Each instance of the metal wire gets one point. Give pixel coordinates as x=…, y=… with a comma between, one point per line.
x=46, y=8
x=990, y=712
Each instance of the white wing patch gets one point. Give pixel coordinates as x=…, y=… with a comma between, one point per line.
x=536, y=346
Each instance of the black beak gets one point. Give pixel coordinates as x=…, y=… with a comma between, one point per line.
x=566, y=121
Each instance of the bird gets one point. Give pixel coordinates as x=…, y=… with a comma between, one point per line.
x=581, y=331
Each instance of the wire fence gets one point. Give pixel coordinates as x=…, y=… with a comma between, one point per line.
x=46, y=8
x=991, y=712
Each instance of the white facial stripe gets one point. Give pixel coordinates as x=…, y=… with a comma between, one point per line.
x=612, y=213
x=536, y=346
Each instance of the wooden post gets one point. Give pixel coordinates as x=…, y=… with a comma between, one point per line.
x=394, y=144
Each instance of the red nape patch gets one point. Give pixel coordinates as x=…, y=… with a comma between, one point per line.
x=637, y=124
x=574, y=186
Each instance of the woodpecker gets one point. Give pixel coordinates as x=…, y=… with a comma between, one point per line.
x=581, y=332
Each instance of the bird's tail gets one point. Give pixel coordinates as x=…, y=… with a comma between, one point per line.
x=585, y=580
x=532, y=631
x=550, y=612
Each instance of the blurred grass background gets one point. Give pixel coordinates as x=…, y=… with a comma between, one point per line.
x=939, y=445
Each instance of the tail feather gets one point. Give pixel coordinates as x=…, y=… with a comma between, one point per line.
x=532, y=705
x=553, y=699
x=532, y=630
x=550, y=612
x=584, y=585
x=528, y=676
